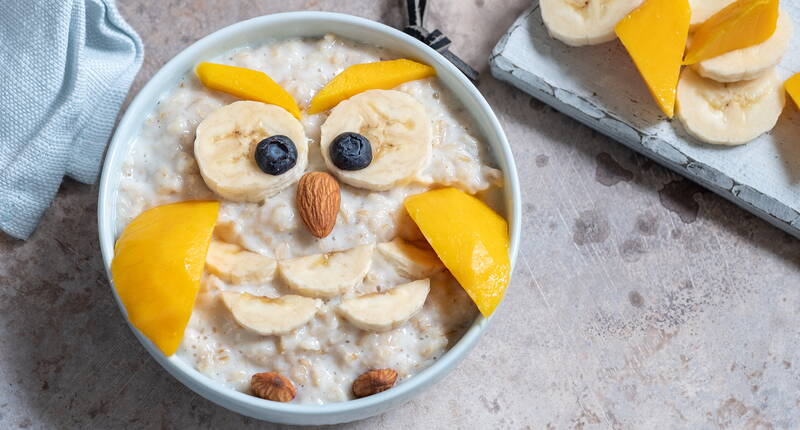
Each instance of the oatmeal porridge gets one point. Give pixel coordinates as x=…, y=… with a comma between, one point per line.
x=323, y=308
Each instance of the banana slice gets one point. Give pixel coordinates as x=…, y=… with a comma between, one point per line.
x=327, y=275
x=397, y=127
x=702, y=10
x=235, y=265
x=267, y=316
x=387, y=310
x=584, y=22
x=225, y=147
x=729, y=114
x=751, y=62
x=409, y=261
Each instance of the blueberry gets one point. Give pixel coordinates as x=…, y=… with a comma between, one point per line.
x=275, y=155
x=351, y=151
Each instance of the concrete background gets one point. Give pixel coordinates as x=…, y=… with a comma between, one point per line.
x=639, y=300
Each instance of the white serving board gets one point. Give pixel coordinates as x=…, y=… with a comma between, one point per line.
x=600, y=87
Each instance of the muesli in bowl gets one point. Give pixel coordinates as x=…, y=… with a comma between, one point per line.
x=309, y=221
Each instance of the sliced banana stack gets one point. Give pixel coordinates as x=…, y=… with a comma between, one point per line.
x=235, y=265
x=584, y=22
x=327, y=275
x=387, y=310
x=751, y=62
x=225, y=150
x=410, y=261
x=267, y=316
x=729, y=114
x=398, y=129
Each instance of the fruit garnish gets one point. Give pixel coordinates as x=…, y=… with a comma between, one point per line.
x=655, y=36
x=223, y=149
x=471, y=240
x=235, y=265
x=350, y=151
x=380, y=75
x=246, y=84
x=399, y=131
x=792, y=86
x=409, y=260
x=741, y=24
x=327, y=275
x=275, y=155
x=158, y=262
x=267, y=316
x=385, y=310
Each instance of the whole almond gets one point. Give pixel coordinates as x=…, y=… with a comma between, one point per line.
x=374, y=381
x=318, y=199
x=272, y=386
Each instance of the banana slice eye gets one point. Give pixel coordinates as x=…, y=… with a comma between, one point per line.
x=235, y=140
x=397, y=129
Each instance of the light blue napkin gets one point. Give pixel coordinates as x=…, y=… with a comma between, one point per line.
x=65, y=68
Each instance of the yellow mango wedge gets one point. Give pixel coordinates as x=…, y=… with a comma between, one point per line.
x=740, y=25
x=247, y=84
x=655, y=37
x=792, y=86
x=471, y=240
x=158, y=262
x=380, y=75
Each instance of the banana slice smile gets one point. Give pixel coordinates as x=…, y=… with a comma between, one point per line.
x=225, y=147
x=410, y=261
x=235, y=265
x=327, y=275
x=398, y=129
x=267, y=316
x=387, y=310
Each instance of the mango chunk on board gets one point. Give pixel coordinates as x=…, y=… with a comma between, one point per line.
x=740, y=25
x=247, y=84
x=380, y=75
x=792, y=86
x=471, y=240
x=655, y=37
x=158, y=262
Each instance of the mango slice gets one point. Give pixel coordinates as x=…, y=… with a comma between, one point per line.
x=655, y=36
x=792, y=86
x=247, y=84
x=740, y=25
x=380, y=75
x=471, y=240
x=158, y=262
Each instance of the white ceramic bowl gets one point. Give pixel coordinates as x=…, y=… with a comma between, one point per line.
x=254, y=32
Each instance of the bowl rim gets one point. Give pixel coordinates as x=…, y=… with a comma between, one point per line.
x=144, y=102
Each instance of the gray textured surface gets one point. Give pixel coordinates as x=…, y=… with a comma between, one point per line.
x=639, y=301
x=599, y=86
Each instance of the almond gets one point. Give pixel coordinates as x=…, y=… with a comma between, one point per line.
x=318, y=200
x=272, y=386
x=374, y=381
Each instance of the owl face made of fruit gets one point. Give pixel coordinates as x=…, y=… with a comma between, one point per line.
x=373, y=138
